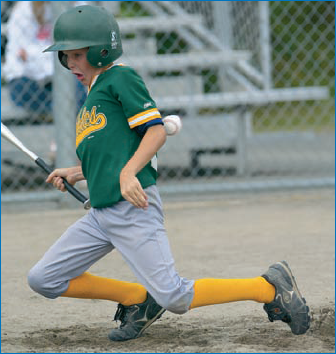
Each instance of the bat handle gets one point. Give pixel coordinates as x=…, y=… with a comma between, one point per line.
x=71, y=189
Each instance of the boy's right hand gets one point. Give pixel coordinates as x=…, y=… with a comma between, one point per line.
x=71, y=174
x=132, y=191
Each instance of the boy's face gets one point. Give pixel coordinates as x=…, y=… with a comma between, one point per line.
x=79, y=66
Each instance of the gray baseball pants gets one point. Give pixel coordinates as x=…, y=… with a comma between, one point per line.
x=139, y=235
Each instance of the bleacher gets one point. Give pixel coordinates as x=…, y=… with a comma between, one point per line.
x=229, y=133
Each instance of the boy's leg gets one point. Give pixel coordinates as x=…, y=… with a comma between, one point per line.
x=145, y=247
x=276, y=288
x=148, y=253
x=219, y=291
x=60, y=272
x=88, y=286
x=142, y=241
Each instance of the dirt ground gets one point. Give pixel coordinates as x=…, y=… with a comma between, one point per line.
x=222, y=236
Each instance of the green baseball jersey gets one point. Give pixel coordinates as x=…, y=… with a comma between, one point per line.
x=118, y=101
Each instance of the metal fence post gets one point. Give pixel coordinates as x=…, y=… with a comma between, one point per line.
x=242, y=115
x=64, y=109
x=265, y=44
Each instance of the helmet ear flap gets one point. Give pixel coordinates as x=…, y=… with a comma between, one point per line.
x=97, y=56
x=62, y=59
x=102, y=55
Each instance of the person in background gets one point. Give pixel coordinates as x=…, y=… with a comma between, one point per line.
x=27, y=71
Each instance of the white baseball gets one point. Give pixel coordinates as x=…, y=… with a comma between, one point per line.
x=172, y=124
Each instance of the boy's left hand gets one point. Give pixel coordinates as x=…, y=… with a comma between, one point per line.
x=132, y=191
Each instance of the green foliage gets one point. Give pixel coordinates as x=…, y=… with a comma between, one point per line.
x=300, y=28
x=170, y=43
x=287, y=116
x=132, y=9
x=303, y=46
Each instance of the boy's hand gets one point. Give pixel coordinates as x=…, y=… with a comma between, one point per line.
x=130, y=186
x=71, y=174
x=132, y=191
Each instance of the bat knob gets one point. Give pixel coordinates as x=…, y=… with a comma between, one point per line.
x=87, y=204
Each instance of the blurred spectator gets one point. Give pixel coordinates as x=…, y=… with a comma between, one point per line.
x=27, y=70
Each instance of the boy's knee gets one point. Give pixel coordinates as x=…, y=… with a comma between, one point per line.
x=177, y=298
x=176, y=308
x=37, y=282
x=176, y=304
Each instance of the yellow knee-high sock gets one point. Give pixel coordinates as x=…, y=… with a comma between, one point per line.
x=88, y=286
x=220, y=291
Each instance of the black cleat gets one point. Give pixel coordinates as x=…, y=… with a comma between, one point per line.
x=288, y=305
x=135, y=319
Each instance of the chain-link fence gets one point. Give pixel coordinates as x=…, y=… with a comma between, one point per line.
x=252, y=81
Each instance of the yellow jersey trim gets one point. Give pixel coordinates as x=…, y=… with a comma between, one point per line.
x=143, y=117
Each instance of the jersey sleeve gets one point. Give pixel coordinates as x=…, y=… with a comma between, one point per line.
x=141, y=129
x=139, y=107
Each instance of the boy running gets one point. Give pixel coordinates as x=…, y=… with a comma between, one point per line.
x=118, y=133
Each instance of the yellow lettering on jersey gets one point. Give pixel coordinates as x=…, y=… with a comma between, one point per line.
x=88, y=122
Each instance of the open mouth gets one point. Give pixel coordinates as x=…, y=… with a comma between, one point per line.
x=79, y=76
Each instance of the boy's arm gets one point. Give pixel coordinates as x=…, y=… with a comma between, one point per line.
x=130, y=186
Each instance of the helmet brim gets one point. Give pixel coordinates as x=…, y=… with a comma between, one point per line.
x=67, y=46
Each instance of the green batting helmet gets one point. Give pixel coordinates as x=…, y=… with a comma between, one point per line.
x=87, y=26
